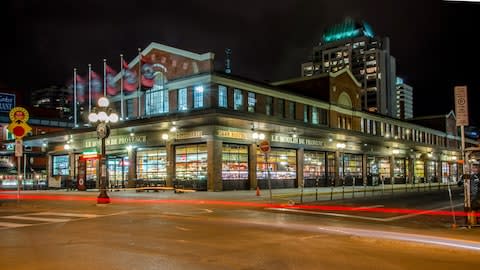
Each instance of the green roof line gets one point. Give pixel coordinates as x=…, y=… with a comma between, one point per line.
x=347, y=29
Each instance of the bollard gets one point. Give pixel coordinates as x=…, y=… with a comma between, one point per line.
x=353, y=188
x=331, y=190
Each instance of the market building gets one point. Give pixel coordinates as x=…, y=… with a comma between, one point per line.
x=200, y=128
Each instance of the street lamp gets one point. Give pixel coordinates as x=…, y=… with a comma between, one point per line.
x=103, y=115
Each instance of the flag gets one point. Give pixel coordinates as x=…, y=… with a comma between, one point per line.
x=97, y=85
x=81, y=87
x=112, y=89
x=147, y=72
x=129, y=79
x=124, y=64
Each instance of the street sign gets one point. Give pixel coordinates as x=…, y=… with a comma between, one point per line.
x=19, y=115
x=461, y=105
x=19, y=127
x=264, y=146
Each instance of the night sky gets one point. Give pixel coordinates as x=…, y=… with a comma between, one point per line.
x=432, y=41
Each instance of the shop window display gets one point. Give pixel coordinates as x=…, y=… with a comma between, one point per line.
x=191, y=165
x=60, y=165
x=282, y=164
x=314, y=168
x=234, y=162
x=152, y=164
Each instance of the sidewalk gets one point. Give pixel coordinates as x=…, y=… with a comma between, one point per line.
x=289, y=195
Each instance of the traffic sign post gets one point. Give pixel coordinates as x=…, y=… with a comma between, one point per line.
x=19, y=128
x=265, y=148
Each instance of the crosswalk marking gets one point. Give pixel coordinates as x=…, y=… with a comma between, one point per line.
x=39, y=218
x=79, y=215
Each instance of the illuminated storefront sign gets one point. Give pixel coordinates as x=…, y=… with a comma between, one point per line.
x=117, y=140
x=297, y=140
x=233, y=134
x=189, y=135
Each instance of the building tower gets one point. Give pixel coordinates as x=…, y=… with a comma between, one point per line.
x=54, y=97
x=404, y=98
x=353, y=45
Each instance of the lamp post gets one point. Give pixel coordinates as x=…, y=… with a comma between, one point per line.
x=102, y=116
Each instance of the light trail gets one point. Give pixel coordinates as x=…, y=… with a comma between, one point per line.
x=331, y=208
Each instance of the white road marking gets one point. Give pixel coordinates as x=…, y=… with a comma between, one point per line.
x=361, y=217
x=182, y=228
x=64, y=214
x=408, y=237
x=38, y=218
x=419, y=213
x=324, y=213
x=46, y=218
x=12, y=225
x=369, y=207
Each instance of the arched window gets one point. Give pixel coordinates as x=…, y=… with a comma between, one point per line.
x=157, y=97
x=344, y=100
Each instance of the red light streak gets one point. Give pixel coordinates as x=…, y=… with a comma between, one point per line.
x=341, y=208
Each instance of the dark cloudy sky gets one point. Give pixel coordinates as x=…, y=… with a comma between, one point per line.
x=432, y=41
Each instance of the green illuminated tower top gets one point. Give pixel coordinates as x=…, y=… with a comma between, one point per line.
x=347, y=29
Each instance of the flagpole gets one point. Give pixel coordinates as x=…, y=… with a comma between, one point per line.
x=75, y=97
x=104, y=77
x=89, y=88
x=139, y=81
x=121, y=87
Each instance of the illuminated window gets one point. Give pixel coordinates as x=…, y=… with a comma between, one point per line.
x=314, y=166
x=269, y=106
x=282, y=164
x=234, y=162
x=305, y=113
x=281, y=107
x=198, y=97
x=191, y=163
x=152, y=164
x=251, y=102
x=291, y=110
x=182, y=99
x=156, y=100
x=237, y=99
x=314, y=115
x=222, y=96
x=129, y=108
x=60, y=165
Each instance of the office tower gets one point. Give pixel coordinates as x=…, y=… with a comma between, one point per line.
x=404, y=99
x=353, y=45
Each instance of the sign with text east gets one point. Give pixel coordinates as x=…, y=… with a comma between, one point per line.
x=7, y=102
x=461, y=105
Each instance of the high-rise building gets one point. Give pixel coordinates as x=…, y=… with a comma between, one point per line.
x=54, y=97
x=353, y=45
x=404, y=100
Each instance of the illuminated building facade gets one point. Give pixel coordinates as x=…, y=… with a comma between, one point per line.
x=353, y=45
x=200, y=128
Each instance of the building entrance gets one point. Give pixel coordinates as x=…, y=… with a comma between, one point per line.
x=117, y=170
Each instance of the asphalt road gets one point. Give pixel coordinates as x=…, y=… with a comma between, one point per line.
x=156, y=232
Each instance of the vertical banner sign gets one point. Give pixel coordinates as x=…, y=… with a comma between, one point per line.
x=461, y=105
